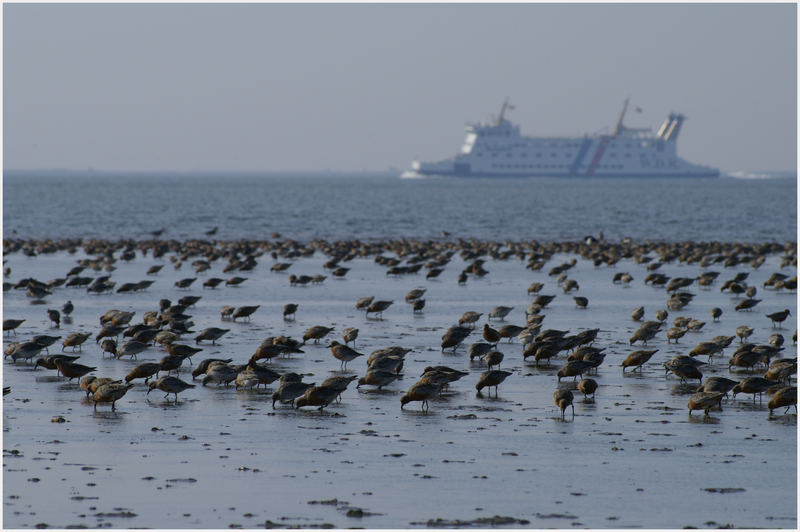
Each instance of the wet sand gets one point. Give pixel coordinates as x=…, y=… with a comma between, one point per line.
x=222, y=458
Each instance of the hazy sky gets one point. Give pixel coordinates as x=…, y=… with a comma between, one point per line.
x=348, y=87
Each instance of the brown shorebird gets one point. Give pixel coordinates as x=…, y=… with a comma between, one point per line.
x=717, y=384
x=706, y=348
x=343, y=353
x=747, y=304
x=49, y=361
x=421, y=391
x=90, y=383
x=109, y=331
x=754, y=385
x=377, y=307
x=185, y=283
x=415, y=294
x=55, y=317
x=75, y=340
x=535, y=288
x=246, y=379
x=320, y=396
x=226, y=312
x=220, y=373
x=510, y=331
x=23, y=350
x=478, y=350
x=245, y=312
x=110, y=393
x=171, y=362
x=392, y=363
x=339, y=382
x=490, y=335
x=493, y=358
x=743, y=331
x=145, y=370
x=574, y=368
x=262, y=374
x=341, y=271
x=289, y=391
x=377, y=377
x=784, y=397
x=364, y=302
x=72, y=370
x=685, y=371
x=131, y=347
x=723, y=341
x=235, y=281
x=491, y=378
x=637, y=314
x=302, y=280
x=441, y=376
x=316, y=333
x=211, y=333
x=781, y=369
x=203, y=366
x=454, y=336
x=469, y=318
x=644, y=333
x=778, y=317
x=289, y=309
x=213, y=282
x=280, y=266
x=182, y=350
x=637, y=359
x=68, y=308
x=269, y=350
x=587, y=387
x=705, y=401
x=392, y=351
x=349, y=335
x=581, y=302
x=563, y=399
x=11, y=324
x=716, y=312
x=499, y=313
x=189, y=301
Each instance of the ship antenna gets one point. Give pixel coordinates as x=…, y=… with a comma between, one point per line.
x=502, y=111
x=618, y=129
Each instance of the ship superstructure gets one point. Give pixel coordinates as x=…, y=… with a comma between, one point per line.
x=498, y=149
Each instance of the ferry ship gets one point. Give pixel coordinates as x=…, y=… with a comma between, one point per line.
x=498, y=150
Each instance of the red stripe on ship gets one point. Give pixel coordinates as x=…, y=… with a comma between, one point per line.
x=598, y=155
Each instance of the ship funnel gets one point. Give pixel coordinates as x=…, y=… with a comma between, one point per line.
x=665, y=126
x=674, y=128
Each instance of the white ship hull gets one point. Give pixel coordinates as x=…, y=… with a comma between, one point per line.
x=498, y=150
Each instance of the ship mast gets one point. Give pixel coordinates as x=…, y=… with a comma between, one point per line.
x=502, y=111
x=618, y=129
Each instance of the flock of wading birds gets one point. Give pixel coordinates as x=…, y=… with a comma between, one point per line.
x=171, y=323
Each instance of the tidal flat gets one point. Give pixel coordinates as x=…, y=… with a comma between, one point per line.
x=219, y=457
